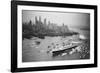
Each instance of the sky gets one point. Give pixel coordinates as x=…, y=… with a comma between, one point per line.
x=68, y=18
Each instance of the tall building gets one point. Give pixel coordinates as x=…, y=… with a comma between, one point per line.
x=45, y=22
x=50, y=26
x=64, y=28
x=40, y=20
x=36, y=21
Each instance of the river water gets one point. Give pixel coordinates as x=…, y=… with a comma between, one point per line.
x=32, y=52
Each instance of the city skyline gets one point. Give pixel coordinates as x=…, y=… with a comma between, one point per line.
x=70, y=19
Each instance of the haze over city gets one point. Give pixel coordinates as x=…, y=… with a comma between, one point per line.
x=70, y=19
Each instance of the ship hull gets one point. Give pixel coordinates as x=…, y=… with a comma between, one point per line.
x=59, y=52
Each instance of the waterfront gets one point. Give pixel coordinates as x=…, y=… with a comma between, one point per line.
x=36, y=49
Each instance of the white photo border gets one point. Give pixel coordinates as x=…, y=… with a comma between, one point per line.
x=52, y=63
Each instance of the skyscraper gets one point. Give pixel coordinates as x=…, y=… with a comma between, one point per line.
x=36, y=21
x=45, y=22
x=40, y=20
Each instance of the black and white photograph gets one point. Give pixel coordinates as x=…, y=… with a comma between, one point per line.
x=50, y=36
